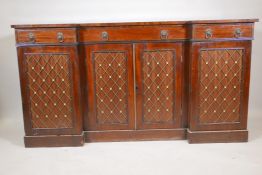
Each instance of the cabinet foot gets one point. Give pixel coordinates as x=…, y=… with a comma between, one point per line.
x=217, y=136
x=54, y=141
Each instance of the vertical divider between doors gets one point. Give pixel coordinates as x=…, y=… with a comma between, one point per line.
x=134, y=74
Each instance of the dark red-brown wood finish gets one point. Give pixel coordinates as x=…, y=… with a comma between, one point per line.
x=135, y=81
x=158, y=85
x=110, y=87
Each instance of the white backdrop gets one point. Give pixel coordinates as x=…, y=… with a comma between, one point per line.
x=128, y=158
x=68, y=11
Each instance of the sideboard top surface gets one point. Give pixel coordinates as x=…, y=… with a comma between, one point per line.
x=134, y=23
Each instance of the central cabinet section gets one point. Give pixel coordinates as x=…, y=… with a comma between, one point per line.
x=133, y=86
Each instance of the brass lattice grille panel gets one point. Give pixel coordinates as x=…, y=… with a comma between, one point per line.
x=220, y=85
x=158, y=86
x=49, y=90
x=111, y=87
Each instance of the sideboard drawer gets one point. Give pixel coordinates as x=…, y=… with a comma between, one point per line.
x=42, y=36
x=226, y=31
x=127, y=33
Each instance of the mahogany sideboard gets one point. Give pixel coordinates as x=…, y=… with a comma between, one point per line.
x=135, y=81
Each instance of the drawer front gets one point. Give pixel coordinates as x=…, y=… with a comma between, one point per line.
x=226, y=31
x=46, y=36
x=132, y=33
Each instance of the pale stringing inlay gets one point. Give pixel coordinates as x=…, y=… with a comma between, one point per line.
x=111, y=87
x=158, y=86
x=220, y=85
x=50, y=91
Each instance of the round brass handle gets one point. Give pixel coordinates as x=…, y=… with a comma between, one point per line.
x=31, y=37
x=104, y=35
x=163, y=34
x=60, y=37
x=208, y=33
x=238, y=32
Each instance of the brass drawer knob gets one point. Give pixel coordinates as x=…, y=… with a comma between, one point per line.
x=238, y=33
x=208, y=34
x=163, y=34
x=31, y=37
x=104, y=35
x=60, y=37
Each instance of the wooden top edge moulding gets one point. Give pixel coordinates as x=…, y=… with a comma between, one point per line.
x=135, y=23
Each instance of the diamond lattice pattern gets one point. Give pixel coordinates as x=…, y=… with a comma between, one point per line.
x=220, y=85
x=50, y=90
x=158, y=84
x=111, y=87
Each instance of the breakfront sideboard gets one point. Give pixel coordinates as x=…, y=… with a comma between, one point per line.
x=135, y=81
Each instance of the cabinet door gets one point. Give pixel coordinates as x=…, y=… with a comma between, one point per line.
x=110, y=87
x=158, y=85
x=49, y=78
x=219, y=85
